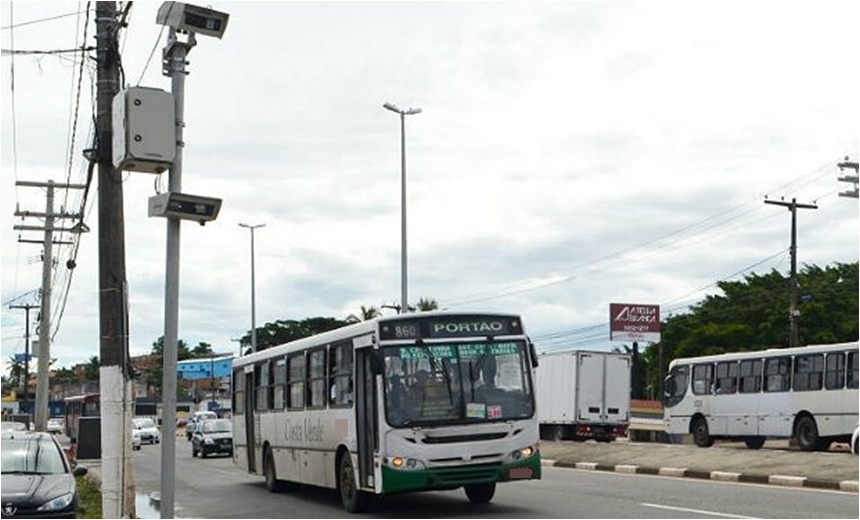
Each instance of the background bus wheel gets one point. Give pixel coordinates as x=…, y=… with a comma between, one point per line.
x=480, y=493
x=754, y=443
x=272, y=483
x=806, y=432
x=354, y=500
x=701, y=435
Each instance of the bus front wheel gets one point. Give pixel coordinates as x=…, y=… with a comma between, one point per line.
x=480, y=493
x=806, y=433
x=354, y=500
x=701, y=434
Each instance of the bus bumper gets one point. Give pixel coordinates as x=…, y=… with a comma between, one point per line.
x=450, y=477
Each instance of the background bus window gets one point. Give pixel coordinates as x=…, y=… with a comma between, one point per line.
x=750, y=373
x=777, y=372
x=296, y=381
x=702, y=378
x=808, y=372
x=834, y=371
x=852, y=370
x=727, y=377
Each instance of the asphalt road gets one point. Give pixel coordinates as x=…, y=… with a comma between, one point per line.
x=215, y=488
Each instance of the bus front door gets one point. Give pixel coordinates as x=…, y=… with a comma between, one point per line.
x=366, y=412
x=249, y=421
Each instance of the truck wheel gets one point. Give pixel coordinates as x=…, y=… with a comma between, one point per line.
x=754, y=443
x=480, y=493
x=558, y=433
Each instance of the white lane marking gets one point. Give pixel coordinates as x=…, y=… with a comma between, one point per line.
x=699, y=511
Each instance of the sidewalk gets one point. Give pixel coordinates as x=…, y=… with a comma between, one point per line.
x=774, y=464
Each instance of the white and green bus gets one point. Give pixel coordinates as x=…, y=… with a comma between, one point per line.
x=433, y=400
x=808, y=394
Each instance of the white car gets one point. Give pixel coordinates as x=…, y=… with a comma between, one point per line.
x=854, y=448
x=135, y=440
x=145, y=428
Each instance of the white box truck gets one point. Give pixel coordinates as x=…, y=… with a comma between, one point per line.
x=583, y=395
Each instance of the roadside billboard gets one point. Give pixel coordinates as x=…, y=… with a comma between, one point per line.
x=634, y=322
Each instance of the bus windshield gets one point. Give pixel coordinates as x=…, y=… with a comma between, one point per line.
x=457, y=383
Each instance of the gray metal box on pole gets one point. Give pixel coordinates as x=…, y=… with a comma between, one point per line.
x=144, y=130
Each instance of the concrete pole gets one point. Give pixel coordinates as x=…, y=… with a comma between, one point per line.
x=41, y=415
x=175, y=55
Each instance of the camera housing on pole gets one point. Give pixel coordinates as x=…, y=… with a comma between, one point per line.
x=184, y=206
x=192, y=19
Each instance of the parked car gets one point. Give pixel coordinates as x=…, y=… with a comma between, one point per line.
x=212, y=436
x=147, y=430
x=56, y=425
x=38, y=480
x=136, y=442
x=13, y=426
x=191, y=425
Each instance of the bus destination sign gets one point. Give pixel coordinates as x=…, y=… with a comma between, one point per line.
x=449, y=327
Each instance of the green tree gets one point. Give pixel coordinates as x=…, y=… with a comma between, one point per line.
x=279, y=332
x=201, y=350
x=182, y=350
x=91, y=369
x=753, y=314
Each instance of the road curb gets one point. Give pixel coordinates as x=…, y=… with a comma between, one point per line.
x=723, y=476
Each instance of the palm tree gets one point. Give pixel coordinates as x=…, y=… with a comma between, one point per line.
x=427, y=304
x=367, y=313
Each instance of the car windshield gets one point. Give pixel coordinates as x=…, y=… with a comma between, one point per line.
x=32, y=455
x=144, y=423
x=457, y=383
x=217, y=426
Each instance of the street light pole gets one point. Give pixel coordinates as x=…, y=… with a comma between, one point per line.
x=404, y=306
x=253, y=296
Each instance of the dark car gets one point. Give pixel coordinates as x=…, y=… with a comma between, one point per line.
x=38, y=481
x=212, y=436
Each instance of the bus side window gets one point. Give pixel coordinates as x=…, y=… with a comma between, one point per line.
x=702, y=378
x=340, y=374
x=852, y=370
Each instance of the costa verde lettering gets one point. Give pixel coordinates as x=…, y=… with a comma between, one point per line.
x=305, y=431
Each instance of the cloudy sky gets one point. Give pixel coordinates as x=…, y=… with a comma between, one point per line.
x=568, y=155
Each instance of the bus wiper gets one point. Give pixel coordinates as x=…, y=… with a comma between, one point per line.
x=435, y=368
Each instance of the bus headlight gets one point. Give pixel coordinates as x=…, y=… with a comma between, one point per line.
x=405, y=464
x=522, y=453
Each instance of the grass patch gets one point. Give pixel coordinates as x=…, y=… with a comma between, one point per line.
x=89, y=497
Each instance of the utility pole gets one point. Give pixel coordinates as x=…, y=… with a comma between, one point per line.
x=794, y=313
x=117, y=483
x=44, y=355
x=855, y=193
x=26, y=308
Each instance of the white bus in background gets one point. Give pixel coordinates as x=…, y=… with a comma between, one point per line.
x=433, y=400
x=808, y=394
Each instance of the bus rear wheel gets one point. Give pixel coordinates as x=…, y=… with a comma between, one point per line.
x=701, y=434
x=269, y=471
x=354, y=500
x=806, y=432
x=480, y=493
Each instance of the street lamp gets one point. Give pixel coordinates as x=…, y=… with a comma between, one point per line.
x=404, y=306
x=253, y=299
